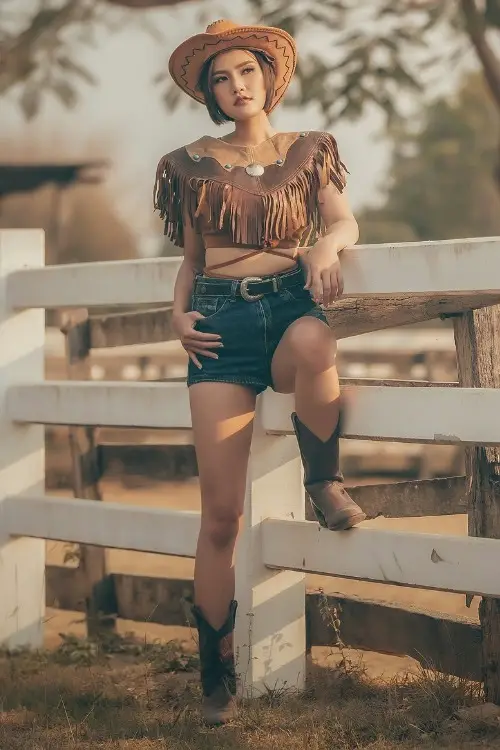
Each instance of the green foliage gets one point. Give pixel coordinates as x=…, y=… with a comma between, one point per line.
x=369, y=53
x=442, y=178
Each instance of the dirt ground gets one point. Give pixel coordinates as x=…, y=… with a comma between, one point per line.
x=185, y=495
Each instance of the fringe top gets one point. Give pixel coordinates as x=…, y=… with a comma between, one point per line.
x=266, y=196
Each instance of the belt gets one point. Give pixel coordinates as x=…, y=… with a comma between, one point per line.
x=251, y=288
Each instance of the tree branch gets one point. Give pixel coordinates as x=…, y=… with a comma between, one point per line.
x=476, y=29
x=18, y=55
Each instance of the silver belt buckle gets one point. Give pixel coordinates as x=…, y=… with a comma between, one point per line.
x=244, y=289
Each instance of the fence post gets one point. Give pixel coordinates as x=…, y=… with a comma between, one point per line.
x=270, y=637
x=22, y=467
x=96, y=587
x=477, y=339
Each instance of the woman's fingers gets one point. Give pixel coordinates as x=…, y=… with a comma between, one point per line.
x=308, y=276
x=205, y=352
x=192, y=356
x=191, y=342
x=340, y=278
x=329, y=285
x=316, y=285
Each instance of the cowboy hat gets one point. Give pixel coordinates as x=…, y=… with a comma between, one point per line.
x=187, y=60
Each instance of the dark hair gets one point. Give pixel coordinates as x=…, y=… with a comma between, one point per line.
x=205, y=86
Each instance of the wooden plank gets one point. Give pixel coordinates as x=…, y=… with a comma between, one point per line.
x=430, y=561
x=352, y=316
x=147, y=326
x=452, y=644
x=395, y=383
x=86, y=472
x=422, y=415
x=477, y=337
x=166, y=532
x=423, y=497
x=449, y=266
x=349, y=316
x=124, y=282
x=441, y=415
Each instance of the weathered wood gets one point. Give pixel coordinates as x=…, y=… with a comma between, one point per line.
x=449, y=416
x=348, y=317
x=395, y=383
x=461, y=267
x=477, y=336
x=423, y=497
x=429, y=561
x=450, y=644
x=122, y=329
x=352, y=316
x=86, y=472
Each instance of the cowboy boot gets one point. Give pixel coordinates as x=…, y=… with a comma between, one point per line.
x=323, y=480
x=218, y=673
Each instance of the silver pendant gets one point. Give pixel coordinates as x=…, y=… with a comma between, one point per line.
x=254, y=170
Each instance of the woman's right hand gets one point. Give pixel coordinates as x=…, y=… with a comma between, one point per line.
x=195, y=342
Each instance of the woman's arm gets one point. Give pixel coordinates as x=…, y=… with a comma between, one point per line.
x=341, y=226
x=183, y=318
x=324, y=276
x=192, y=263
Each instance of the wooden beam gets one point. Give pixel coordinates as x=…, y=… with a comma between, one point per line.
x=128, y=329
x=469, y=266
x=423, y=497
x=422, y=415
x=451, y=644
x=431, y=561
x=477, y=336
x=348, y=317
x=352, y=316
x=114, y=525
x=86, y=472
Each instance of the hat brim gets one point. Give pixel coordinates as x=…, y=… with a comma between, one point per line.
x=188, y=59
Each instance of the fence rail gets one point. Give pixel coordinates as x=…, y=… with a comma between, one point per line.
x=382, y=283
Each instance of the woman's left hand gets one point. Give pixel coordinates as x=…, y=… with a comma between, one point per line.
x=323, y=273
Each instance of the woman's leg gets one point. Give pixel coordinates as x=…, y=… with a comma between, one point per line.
x=304, y=364
x=222, y=417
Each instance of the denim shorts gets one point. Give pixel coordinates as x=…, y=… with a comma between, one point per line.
x=250, y=330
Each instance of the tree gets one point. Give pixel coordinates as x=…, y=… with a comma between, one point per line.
x=441, y=184
x=366, y=63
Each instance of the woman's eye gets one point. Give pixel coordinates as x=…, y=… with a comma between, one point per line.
x=218, y=80
x=248, y=70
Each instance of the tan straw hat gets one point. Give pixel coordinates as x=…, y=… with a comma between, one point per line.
x=188, y=59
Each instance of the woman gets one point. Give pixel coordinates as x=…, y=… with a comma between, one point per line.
x=246, y=208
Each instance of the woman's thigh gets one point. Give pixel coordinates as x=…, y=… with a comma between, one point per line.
x=222, y=418
x=308, y=340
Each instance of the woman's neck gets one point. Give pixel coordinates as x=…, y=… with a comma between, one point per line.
x=251, y=132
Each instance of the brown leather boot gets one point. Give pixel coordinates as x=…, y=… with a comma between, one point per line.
x=218, y=673
x=323, y=480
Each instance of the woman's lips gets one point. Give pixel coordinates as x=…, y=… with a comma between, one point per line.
x=241, y=102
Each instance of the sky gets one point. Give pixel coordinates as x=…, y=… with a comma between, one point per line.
x=125, y=120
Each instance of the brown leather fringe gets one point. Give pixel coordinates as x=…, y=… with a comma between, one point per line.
x=250, y=219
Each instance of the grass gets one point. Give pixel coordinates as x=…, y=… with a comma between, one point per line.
x=132, y=695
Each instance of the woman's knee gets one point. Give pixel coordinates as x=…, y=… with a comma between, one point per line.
x=220, y=523
x=313, y=343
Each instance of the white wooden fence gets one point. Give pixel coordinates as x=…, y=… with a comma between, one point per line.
x=277, y=546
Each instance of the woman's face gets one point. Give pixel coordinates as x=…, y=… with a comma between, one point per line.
x=238, y=84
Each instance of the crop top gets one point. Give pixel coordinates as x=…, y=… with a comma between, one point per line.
x=263, y=197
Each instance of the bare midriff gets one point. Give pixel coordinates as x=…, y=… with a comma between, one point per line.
x=237, y=263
